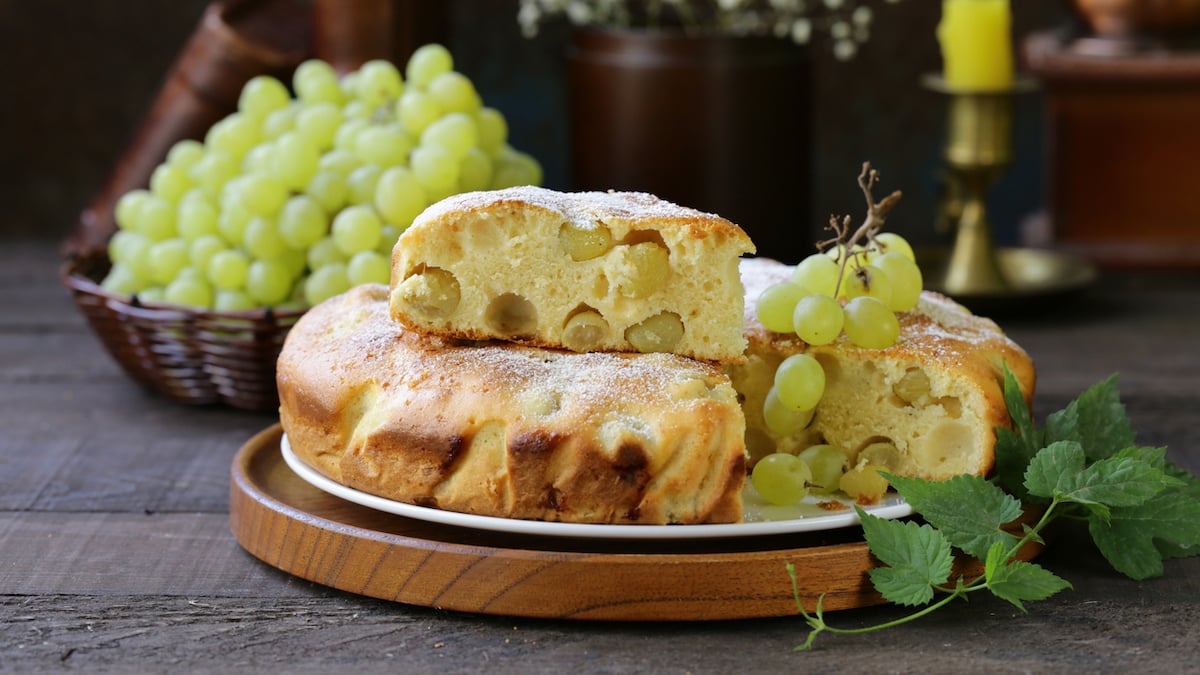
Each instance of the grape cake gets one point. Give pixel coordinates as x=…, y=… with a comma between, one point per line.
x=926, y=406
x=589, y=271
x=501, y=429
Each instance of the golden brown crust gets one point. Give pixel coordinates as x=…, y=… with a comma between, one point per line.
x=505, y=243
x=947, y=431
x=505, y=430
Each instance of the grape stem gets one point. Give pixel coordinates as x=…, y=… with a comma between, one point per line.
x=876, y=215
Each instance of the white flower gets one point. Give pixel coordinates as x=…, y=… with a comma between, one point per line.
x=844, y=50
x=801, y=31
x=834, y=4
x=840, y=30
x=862, y=15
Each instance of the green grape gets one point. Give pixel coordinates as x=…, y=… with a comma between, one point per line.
x=126, y=245
x=232, y=222
x=427, y=62
x=435, y=168
x=827, y=463
x=235, y=135
x=346, y=137
x=416, y=110
x=781, y=478
x=228, y=269
x=128, y=208
x=867, y=281
x=295, y=161
x=454, y=92
x=399, y=198
x=167, y=258
x=818, y=319
x=303, y=222
x=781, y=419
x=776, y=304
x=474, y=171
x=368, y=267
x=262, y=95
x=361, y=182
x=870, y=324
x=318, y=124
x=515, y=168
x=213, y=170
x=268, y=282
x=388, y=234
x=355, y=109
x=493, y=129
x=889, y=242
x=295, y=260
x=377, y=82
x=356, y=228
x=279, y=122
x=339, y=161
x=135, y=254
x=170, y=182
x=260, y=159
x=232, y=301
x=203, y=248
x=324, y=253
x=383, y=145
x=190, y=273
x=262, y=195
x=329, y=190
x=196, y=218
x=456, y=132
x=326, y=282
x=152, y=295
x=184, y=154
x=122, y=280
x=818, y=273
x=800, y=382
x=904, y=277
x=262, y=239
x=349, y=85
x=189, y=292
x=156, y=218
x=315, y=81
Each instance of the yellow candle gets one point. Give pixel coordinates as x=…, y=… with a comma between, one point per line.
x=976, y=44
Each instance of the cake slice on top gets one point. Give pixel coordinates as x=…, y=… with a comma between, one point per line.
x=586, y=271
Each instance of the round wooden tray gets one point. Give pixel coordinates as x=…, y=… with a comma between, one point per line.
x=295, y=527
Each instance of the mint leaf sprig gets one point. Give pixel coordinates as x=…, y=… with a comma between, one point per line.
x=1083, y=465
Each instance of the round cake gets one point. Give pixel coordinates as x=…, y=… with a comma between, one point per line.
x=506, y=430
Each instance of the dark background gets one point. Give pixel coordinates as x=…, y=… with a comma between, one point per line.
x=82, y=74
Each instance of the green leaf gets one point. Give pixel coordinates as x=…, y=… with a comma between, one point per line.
x=1135, y=539
x=1015, y=447
x=968, y=510
x=1096, y=419
x=1019, y=581
x=1128, y=478
x=918, y=558
x=1049, y=466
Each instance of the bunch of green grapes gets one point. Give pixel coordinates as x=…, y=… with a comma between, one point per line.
x=823, y=470
x=856, y=291
x=291, y=200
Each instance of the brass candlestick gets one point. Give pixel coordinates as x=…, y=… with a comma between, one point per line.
x=978, y=149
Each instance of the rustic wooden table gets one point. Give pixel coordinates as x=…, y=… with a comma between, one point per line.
x=116, y=552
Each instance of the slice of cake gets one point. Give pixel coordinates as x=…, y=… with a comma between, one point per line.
x=591, y=271
x=927, y=406
x=506, y=430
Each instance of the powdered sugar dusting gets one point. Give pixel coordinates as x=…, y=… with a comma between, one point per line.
x=583, y=209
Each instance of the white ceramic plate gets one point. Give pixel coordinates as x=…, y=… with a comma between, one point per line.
x=760, y=518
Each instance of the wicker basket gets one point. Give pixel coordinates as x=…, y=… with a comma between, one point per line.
x=191, y=356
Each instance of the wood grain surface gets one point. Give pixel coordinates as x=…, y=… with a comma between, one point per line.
x=116, y=553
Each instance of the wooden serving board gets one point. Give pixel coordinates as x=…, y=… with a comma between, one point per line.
x=295, y=527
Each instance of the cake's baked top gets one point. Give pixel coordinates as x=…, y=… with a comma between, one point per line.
x=507, y=430
x=588, y=271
